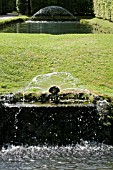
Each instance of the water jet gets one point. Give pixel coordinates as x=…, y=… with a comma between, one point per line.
x=53, y=13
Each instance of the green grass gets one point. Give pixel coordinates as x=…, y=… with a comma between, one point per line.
x=88, y=57
x=14, y=19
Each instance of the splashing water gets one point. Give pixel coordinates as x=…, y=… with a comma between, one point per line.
x=53, y=13
x=80, y=157
x=43, y=82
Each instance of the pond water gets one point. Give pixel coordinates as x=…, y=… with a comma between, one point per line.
x=47, y=27
x=84, y=156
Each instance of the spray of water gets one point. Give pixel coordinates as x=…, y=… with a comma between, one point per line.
x=80, y=157
x=53, y=13
x=43, y=82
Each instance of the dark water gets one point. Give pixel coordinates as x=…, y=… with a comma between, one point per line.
x=85, y=156
x=47, y=27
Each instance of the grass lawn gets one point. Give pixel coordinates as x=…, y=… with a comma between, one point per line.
x=12, y=19
x=88, y=57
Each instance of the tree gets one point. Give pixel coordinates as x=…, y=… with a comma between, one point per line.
x=74, y=6
x=0, y=6
x=7, y=6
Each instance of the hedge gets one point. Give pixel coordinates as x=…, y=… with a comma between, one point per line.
x=103, y=9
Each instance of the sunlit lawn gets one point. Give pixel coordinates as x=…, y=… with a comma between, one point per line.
x=88, y=57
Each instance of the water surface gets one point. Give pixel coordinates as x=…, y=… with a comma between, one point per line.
x=47, y=27
x=84, y=156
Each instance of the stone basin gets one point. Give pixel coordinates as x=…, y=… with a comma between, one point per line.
x=55, y=118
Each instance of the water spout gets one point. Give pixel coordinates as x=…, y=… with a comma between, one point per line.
x=53, y=13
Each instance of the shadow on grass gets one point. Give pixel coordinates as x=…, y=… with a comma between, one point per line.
x=84, y=28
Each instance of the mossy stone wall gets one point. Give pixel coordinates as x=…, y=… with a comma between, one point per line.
x=53, y=125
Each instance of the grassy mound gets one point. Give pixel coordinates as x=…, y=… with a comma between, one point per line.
x=98, y=25
x=87, y=57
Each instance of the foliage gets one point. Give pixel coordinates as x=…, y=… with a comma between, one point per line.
x=103, y=9
x=7, y=6
x=21, y=6
x=99, y=25
x=0, y=6
x=74, y=6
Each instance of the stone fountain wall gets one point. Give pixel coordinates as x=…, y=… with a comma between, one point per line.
x=54, y=124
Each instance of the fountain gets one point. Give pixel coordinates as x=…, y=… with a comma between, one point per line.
x=53, y=109
x=53, y=20
x=53, y=13
x=55, y=123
